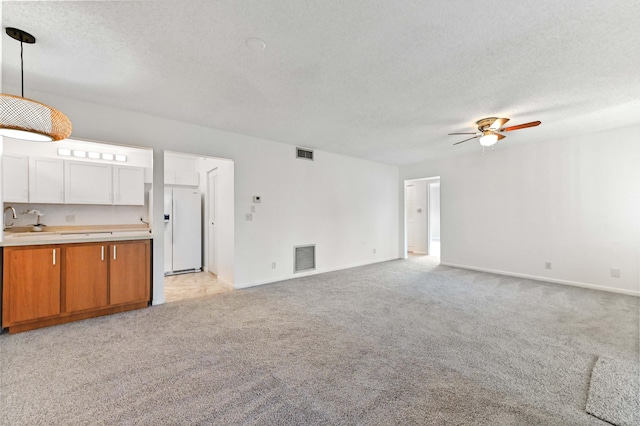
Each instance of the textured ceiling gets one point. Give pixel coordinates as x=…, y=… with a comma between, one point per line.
x=382, y=80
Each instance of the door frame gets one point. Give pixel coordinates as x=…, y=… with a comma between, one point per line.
x=430, y=212
x=212, y=246
x=405, y=203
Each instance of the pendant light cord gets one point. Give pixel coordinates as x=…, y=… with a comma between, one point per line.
x=21, y=70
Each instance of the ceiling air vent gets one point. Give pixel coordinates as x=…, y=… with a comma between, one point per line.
x=307, y=154
x=305, y=258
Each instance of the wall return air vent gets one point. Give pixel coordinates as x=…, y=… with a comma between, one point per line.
x=304, y=258
x=307, y=154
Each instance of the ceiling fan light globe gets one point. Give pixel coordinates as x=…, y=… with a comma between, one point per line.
x=488, y=140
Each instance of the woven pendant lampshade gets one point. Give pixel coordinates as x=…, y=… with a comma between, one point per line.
x=23, y=118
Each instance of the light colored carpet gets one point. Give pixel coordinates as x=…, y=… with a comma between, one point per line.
x=614, y=392
x=401, y=342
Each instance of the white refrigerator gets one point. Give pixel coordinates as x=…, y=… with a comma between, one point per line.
x=182, y=230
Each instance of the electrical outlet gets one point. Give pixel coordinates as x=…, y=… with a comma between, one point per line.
x=374, y=251
x=273, y=265
x=253, y=209
x=615, y=272
x=248, y=216
x=70, y=218
x=547, y=265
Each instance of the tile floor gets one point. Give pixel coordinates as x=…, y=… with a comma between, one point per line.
x=192, y=285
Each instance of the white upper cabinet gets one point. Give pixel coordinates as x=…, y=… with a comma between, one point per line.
x=88, y=183
x=15, y=178
x=128, y=185
x=187, y=178
x=46, y=180
x=181, y=177
x=169, y=177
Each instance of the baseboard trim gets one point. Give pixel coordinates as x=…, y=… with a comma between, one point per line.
x=225, y=283
x=545, y=279
x=306, y=274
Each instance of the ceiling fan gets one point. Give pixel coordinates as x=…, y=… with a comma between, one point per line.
x=489, y=128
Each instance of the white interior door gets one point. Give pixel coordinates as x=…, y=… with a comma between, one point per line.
x=212, y=181
x=417, y=217
x=420, y=242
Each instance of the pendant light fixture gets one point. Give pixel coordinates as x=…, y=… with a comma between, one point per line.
x=23, y=118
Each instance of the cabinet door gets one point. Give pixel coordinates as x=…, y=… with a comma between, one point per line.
x=88, y=183
x=169, y=177
x=15, y=178
x=129, y=272
x=31, y=283
x=187, y=178
x=128, y=185
x=85, y=277
x=46, y=180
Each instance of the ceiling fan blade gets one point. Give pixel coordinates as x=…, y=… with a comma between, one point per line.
x=500, y=137
x=520, y=126
x=497, y=123
x=468, y=133
x=466, y=140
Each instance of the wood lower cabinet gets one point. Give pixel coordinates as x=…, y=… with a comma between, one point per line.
x=127, y=268
x=85, y=277
x=47, y=285
x=31, y=287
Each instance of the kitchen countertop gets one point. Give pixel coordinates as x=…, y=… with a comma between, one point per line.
x=25, y=236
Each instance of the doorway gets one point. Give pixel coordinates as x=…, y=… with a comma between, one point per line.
x=422, y=217
x=212, y=179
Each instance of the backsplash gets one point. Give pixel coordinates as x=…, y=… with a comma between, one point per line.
x=75, y=214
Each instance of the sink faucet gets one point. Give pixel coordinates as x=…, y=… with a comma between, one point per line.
x=13, y=214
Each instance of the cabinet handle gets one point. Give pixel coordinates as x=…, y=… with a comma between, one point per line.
x=102, y=252
x=114, y=252
x=54, y=257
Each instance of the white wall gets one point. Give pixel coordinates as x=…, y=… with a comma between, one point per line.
x=573, y=202
x=338, y=203
x=347, y=207
x=434, y=210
